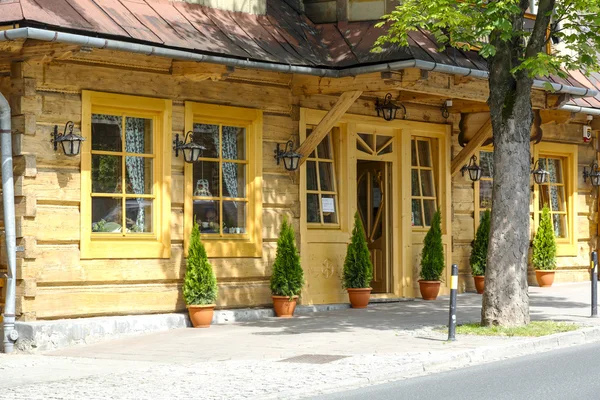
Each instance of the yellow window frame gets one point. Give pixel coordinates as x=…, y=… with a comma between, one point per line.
x=158, y=243
x=235, y=245
x=477, y=187
x=433, y=148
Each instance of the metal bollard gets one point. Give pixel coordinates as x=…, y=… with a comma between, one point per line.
x=594, y=267
x=453, y=290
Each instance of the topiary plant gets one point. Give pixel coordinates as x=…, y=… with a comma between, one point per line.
x=287, y=278
x=480, y=246
x=358, y=269
x=544, y=244
x=432, y=255
x=200, y=283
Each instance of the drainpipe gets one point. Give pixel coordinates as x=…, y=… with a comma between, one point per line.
x=8, y=198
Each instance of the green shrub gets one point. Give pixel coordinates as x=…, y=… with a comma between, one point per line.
x=432, y=256
x=287, y=278
x=480, y=246
x=200, y=283
x=544, y=243
x=358, y=269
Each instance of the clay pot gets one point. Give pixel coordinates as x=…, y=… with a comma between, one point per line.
x=359, y=297
x=479, y=283
x=544, y=278
x=201, y=316
x=283, y=306
x=429, y=289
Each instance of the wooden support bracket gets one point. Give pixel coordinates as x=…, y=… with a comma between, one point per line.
x=483, y=134
x=328, y=121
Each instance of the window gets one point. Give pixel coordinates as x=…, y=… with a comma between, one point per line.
x=125, y=203
x=321, y=184
x=483, y=187
x=553, y=194
x=224, y=188
x=424, y=197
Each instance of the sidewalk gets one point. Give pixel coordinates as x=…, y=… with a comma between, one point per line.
x=337, y=350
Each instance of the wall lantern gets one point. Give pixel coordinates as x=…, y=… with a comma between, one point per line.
x=540, y=175
x=473, y=169
x=387, y=109
x=289, y=156
x=191, y=151
x=593, y=174
x=70, y=142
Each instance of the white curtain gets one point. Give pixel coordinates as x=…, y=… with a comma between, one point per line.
x=134, y=143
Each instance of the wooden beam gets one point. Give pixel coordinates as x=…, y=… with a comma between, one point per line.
x=484, y=133
x=333, y=116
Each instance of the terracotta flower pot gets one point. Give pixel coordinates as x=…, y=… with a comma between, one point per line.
x=201, y=316
x=429, y=289
x=283, y=306
x=544, y=278
x=359, y=297
x=479, y=283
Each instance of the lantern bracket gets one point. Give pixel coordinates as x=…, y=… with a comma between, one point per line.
x=593, y=174
x=287, y=154
x=66, y=136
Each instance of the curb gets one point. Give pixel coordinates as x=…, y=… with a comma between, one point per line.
x=456, y=360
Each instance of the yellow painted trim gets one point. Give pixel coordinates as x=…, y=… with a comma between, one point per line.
x=158, y=244
x=249, y=245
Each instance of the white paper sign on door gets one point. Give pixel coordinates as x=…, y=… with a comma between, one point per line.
x=327, y=204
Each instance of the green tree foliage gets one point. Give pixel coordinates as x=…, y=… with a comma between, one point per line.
x=432, y=255
x=544, y=243
x=358, y=269
x=200, y=283
x=480, y=246
x=287, y=278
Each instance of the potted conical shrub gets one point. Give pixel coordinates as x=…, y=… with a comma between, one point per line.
x=479, y=254
x=287, y=277
x=358, y=269
x=200, y=283
x=544, y=250
x=432, y=260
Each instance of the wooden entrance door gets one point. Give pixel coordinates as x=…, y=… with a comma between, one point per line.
x=373, y=209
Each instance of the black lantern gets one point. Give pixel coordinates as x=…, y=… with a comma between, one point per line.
x=70, y=142
x=473, y=169
x=289, y=156
x=540, y=175
x=191, y=151
x=593, y=174
x=387, y=109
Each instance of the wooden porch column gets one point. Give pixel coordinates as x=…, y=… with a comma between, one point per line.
x=333, y=116
x=483, y=134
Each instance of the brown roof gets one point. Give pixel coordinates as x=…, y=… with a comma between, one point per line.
x=281, y=36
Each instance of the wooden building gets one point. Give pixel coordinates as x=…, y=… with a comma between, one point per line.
x=105, y=232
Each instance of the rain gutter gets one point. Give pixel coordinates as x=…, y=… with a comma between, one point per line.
x=99, y=43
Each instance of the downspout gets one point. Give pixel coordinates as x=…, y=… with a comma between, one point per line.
x=8, y=198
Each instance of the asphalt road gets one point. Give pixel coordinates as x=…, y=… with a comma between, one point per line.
x=565, y=374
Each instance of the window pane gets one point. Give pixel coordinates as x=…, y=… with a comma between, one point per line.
x=234, y=143
x=383, y=141
x=138, y=134
x=544, y=192
x=207, y=136
x=206, y=213
x=486, y=161
x=313, y=209
x=326, y=176
x=139, y=215
x=311, y=175
x=368, y=139
x=308, y=132
x=234, y=180
x=106, y=132
x=429, y=206
x=554, y=167
x=560, y=225
x=485, y=194
x=329, y=209
x=138, y=175
x=106, y=174
x=106, y=214
x=413, y=153
x=557, y=198
x=417, y=215
x=416, y=190
x=424, y=160
x=324, y=148
x=234, y=217
x=427, y=183
x=206, y=178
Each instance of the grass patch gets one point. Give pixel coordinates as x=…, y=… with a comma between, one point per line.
x=533, y=329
